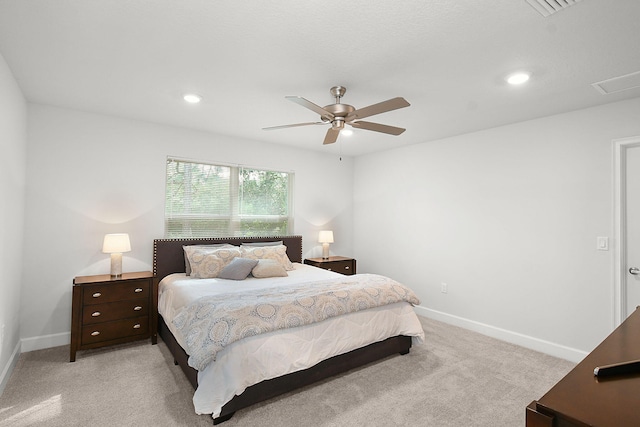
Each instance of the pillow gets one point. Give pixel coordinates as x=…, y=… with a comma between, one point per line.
x=268, y=268
x=278, y=243
x=238, y=269
x=187, y=266
x=207, y=263
x=276, y=253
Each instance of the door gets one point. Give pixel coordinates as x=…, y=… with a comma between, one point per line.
x=632, y=234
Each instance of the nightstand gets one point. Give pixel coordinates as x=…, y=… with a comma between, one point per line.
x=108, y=310
x=339, y=264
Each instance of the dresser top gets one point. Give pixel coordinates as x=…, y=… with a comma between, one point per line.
x=79, y=280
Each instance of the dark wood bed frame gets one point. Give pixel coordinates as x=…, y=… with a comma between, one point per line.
x=168, y=258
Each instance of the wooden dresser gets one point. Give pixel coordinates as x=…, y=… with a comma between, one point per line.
x=339, y=264
x=582, y=399
x=108, y=310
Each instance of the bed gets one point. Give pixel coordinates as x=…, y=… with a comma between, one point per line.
x=254, y=369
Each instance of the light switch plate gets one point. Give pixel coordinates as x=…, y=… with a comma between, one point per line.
x=603, y=243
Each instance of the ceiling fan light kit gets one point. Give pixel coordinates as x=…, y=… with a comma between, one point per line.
x=338, y=115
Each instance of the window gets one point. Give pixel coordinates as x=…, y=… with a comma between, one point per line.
x=208, y=200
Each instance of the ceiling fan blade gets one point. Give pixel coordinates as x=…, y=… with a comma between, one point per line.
x=293, y=125
x=311, y=106
x=332, y=136
x=377, y=127
x=381, y=107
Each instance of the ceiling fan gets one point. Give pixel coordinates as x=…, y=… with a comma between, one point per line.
x=340, y=114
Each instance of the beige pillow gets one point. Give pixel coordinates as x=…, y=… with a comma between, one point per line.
x=268, y=268
x=277, y=253
x=206, y=262
x=187, y=266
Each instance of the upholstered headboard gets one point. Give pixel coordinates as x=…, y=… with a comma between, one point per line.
x=168, y=255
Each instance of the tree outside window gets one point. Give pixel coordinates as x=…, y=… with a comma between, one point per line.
x=208, y=200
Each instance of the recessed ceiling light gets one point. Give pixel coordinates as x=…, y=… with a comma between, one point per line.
x=518, y=78
x=192, y=98
x=346, y=132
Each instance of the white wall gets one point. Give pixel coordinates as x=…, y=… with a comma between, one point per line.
x=13, y=143
x=89, y=175
x=508, y=219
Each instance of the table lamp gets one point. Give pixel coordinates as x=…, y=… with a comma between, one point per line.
x=116, y=244
x=325, y=237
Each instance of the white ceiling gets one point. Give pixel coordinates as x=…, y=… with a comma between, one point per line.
x=136, y=58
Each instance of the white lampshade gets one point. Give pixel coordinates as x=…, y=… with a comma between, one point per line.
x=116, y=243
x=325, y=236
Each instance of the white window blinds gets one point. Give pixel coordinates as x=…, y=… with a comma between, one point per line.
x=208, y=200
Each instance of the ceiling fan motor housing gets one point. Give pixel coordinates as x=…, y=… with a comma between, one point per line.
x=340, y=110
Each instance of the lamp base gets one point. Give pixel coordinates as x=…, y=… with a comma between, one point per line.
x=116, y=265
x=325, y=251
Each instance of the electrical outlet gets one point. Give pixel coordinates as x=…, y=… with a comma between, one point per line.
x=444, y=288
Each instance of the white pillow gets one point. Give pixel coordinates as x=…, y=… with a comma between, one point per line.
x=268, y=268
x=277, y=253
x=206, y=262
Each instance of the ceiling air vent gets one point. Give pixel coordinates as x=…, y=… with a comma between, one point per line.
x=618, y=84
x=549, y=7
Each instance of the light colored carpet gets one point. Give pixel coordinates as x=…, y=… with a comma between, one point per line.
x=457, y=378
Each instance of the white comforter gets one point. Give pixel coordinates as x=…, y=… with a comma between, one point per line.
x=271, y=355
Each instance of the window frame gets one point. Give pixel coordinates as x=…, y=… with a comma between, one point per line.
x=237, y=222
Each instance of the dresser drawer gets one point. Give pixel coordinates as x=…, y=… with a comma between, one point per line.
x=98, y=294
x=98, y=313
x=113, y=330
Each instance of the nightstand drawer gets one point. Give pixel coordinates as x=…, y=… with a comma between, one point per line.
x=98, y=313
x=338, y=264
x=110, y=292
x=344, y=267
x=114, y=330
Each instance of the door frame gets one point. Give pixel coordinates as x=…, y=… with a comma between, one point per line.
x=620, y=147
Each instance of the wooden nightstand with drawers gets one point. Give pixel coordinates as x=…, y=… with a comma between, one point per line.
x=339, y=264
x=108, y=310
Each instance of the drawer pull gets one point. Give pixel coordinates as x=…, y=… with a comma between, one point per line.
x=137, y=308
x=95, y=333
x=137, y=290
x=95, y=314
x=136, y=326
x=347, y=267
x=97, y=294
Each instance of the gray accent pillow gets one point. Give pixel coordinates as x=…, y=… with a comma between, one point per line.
x=238, y=269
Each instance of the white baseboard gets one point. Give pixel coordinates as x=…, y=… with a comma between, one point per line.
x=532, y=343
x=8, y=369
x=45, y=341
